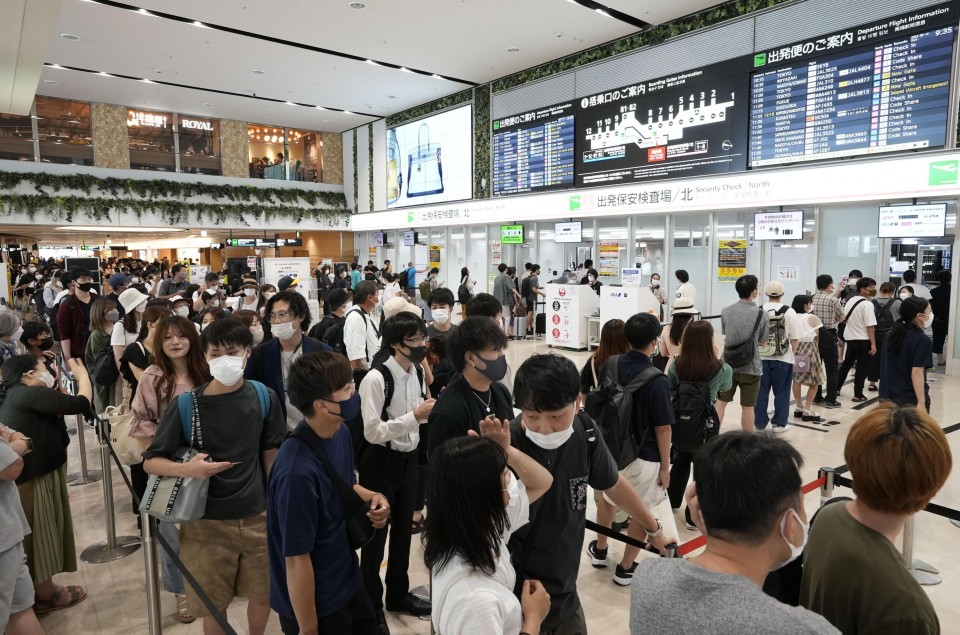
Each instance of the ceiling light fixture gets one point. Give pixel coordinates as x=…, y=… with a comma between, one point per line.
x=372, y=62
x=320, y=108
x=143, y=12
x=435, y=76
x=257, y=71
x=601, y=11
x=142, y=230
x=290, y=103
x=200, y=24
x=70, y=36
x=357, y=5
x=51, y=82
x=207, y=104
x=56, y=66
x=102, y=74
x=513, y=49
x=203, y=232
x=405, y=69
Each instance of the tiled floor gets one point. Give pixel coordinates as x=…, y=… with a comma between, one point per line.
x=116, y=603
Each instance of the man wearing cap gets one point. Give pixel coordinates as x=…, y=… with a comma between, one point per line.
x=118, y=284
x=210, y=287
x=288, y=283
x=777, y=368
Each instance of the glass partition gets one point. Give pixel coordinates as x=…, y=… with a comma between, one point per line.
x=199, y=145
x=736, y=254
x=479, y=260
x=151, y=140
x=848, y=240
x=691, y=252
x=63, y=130
x=457, y=257
x=649, y=245
x=611, y=249
x=16, y=137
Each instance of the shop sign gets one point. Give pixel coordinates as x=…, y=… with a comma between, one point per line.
x=196, y=124
x=140, y=119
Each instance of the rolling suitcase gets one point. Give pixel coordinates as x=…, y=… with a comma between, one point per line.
x=541, y=324
x=519, y=323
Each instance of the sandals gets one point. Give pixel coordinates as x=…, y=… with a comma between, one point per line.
x=75, y=593
x=859, y=399
x=183, y=614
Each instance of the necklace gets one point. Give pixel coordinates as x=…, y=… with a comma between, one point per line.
x=485, y=404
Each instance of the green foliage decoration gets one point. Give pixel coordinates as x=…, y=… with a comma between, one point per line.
x=481, y=141
x=422, y=110
x=356, y=175
x=169, y=199
x=370, y=160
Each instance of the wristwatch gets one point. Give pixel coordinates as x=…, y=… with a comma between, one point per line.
x=654, y=534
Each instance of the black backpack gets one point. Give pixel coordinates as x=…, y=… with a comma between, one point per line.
x=695, y=416
x=884, y=316
x=403, y=279
x=330, y=331
x=611, y=407
x=525, y=287
x=355, y=426
x=105, y=371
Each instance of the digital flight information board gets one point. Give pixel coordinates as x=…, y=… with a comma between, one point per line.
x=692, y=123
x=885, y=96
x=533, y=151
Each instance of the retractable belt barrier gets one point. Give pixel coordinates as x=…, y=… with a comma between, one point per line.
x=149, y=537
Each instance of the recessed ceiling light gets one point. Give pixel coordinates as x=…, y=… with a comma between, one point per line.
x=405, y=69
x=52, y=82
x=200, y=24
x=347, y=112
x=146, y=81
x=207, y=104
x=257, y=71
x=143, y=12
x=102, y=74
x=372, y=62
x=601, y=11
x=513, y=49
x=70, y=36
x=357, y=5
x=391, y=96
x=435, y=76
x=320, y=108
x=290, y=103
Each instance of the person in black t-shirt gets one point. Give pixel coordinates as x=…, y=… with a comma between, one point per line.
x=477, y=352
x=903, y=374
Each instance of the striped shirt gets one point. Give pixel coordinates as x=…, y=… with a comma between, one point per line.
x=828, y=309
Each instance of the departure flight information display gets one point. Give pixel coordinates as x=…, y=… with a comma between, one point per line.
x=886, y=97
x=533, y=151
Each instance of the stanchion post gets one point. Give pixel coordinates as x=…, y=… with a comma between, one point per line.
x=84, y=476
x=925, y=574
x=151, y=567
x=113, y=548
x=826, y=490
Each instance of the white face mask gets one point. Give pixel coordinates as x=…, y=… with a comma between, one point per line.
x=47, y=379
x=215, y=303
x=441, y=316
x=904, y=296
x=927, y=322
x=347, y=306
x=135, y=281
x=655, y=282
x=268, y=294
x=795, y=551
x=141, y=307
x=249, y=292
x=227, y=369
x=282, y=331
x=550, y=441
x=182, y=311
x=513, y=500
x=853, y=282
x=257, y=335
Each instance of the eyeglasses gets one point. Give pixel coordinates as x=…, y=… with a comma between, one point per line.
x=280, y=316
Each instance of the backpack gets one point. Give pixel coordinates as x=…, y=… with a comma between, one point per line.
x=404, y=275
x=777, y=342
x=611, y=407
x=355, y=425
x=425, y=291
x=884, y=316
x=695, y=416
x=463, y=294
x=330, y=331
x=185, y=405
x=525, y=288
x=105, y=371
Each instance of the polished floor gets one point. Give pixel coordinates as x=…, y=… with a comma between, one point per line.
x=116, y=602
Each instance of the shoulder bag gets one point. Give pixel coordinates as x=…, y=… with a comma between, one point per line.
x=120, y=420
x=843, y=325
x=360, y=528
x=179, y=499
x=739, y=355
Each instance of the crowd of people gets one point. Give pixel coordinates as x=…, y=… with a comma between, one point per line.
x=331, y=441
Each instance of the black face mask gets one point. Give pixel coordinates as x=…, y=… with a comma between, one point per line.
x=86, y=286
x=417, y=354
x=46, y=344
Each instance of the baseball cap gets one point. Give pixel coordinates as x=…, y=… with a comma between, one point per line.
x=286, y=282
x=119, y=279
x=336, y=298
x=774, y=289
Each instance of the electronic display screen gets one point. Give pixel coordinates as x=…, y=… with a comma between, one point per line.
x=688, y=124
x=878, y=97
x=568, y=232
x=431, y=160
x=913, y=221
x=409, y=238
x=379, y=238
x=511, y=234
x=778, y=225
x=533, y=151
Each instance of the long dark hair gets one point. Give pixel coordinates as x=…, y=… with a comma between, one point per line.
x=678, y=325
x=13, y=371
x=150, y=315
x=465, y=497
x=909, y=310
x=197, y=367
x=612, y=342
x=698, y=360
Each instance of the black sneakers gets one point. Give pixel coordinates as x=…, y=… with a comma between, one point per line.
x=598, y=557
x=624, y=577
x=410, y=604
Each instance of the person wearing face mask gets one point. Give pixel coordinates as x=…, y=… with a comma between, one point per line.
x=329, y=330
x=441, y=307
x=477, y=352
x=181, y=307
x=853, y=572
x=209, y=294
x=477, y=503
x=394, y=402
x=748, y=502
x=32, y=406
x=103, y=314
x=860, y=337
x=251, y=320
x=118, y=284
x=658, y=292
x=556, y=434
x=25, y=287
x=361, y=336
x=10, y=332
x=175, y=284
x=73, y=314
x=247, y=299
x=126, y=331
x=37, y=340
x=827, y=307
x=242, y=425
x=307, y=530
x=593, y=280
x=906, y=356
x=848, y=286
x=270, y=362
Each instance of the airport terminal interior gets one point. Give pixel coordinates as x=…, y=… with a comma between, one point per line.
x=632, y=156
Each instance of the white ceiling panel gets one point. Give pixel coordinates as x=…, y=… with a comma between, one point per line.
x=25, y=27
x=660, y=12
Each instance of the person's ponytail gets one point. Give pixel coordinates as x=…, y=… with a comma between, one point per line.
x=909, y=310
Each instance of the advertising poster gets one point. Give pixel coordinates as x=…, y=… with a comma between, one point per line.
x=496, y=253
x=431, y=160
x=786, y=273
x=434, y=256
x=563, y=317
x=631, y=277
x=609, y=263
x=731, y=260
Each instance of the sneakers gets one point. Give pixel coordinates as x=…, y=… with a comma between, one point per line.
x=620, y=527
x=598, y=557
x=624, y=577
x=688, y=521
x=776, y=428
x=830, y=404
